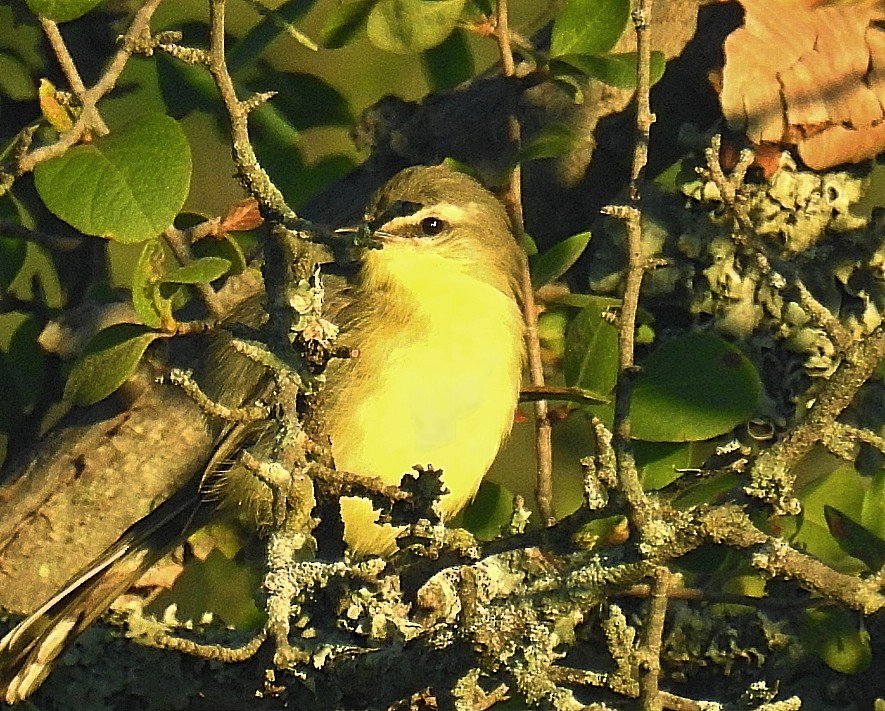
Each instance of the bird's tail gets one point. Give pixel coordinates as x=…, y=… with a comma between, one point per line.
x=29, y=649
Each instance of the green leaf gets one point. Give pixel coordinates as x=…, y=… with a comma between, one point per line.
x=227, y=248
x=62, y=10
x=694, y=387
x=591, y=349
x=344, y=22
x=838, y=637
x=843, y=488
x=552, y=141
x=109, y=360
x=12, y=258
x=617, y=70
x=449, y=63
x=589, y=26
x=218, y=585
x=145, y=279
x=15, y=78
x=22, y=366
x=303, y=100
x=660, y=462
x=274, y=23
x=127, y=186
x=411, y=26
x=489, y=512
x=556, y=261
x=200, y=271
x=854, y=539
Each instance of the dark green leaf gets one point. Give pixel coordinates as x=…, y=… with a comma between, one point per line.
x=200, y=271
x=448, y=64
x=303, y=100
x=854, y=539
x=694, y=387
x=589, y=26
x=614, y=69
x=274, y=23
x=591, y=349
x=62, y=10
x=552, y=141
x=411, y=26
x=127, y=186
x=838, y=637
x=16, y=82
x=489, y=512
x=344, y=22
x=109, y=360
x=660, y=462
x=12, y=258
x=556, y=261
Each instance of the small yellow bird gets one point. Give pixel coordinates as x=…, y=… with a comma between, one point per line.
x=433, y=320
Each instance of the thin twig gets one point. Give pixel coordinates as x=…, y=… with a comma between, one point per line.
x=652, y=638
x=251, y=174
x=636, y=266
x=513, y=201
x=66, y=62
x=89, y=118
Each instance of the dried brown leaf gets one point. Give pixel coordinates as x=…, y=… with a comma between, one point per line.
x=809, y=76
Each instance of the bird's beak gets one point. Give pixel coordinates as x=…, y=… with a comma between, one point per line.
x=362, y=235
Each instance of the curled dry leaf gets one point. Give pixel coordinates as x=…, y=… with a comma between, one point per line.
x=813, y=77
x=242, y=217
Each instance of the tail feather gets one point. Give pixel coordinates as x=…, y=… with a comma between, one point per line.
x=29, y=649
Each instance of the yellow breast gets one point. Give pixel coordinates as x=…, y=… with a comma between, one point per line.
x=435, y=382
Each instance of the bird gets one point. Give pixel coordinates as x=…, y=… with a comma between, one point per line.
x=432, y=319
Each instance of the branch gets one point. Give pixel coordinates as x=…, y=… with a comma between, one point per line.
x=513, y=202
x=90, y=119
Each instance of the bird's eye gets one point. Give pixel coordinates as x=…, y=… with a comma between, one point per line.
x=432, y=226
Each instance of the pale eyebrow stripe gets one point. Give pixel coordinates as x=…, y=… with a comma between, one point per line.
x=445, y=211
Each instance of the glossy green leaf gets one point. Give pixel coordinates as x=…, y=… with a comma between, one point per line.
x=200, y=271
x=614, y=69
x=589, y=26
x=694, y=387
x=107, y=363
x=553, y=263
x=411, y=26
x=591, y=349
x=62, y=10
x=344, y=23
x=127, y=186
x=227, y=248
x=854, y=539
